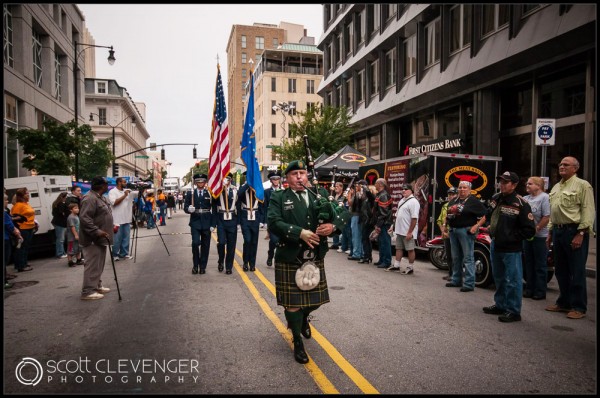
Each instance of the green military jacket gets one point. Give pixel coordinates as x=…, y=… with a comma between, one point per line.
x=287, y=216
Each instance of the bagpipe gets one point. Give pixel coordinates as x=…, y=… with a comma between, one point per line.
x=328, y=208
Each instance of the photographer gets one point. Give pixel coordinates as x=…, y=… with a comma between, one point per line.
x=121, y=203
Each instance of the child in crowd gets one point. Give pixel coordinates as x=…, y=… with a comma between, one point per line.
x=73, y=249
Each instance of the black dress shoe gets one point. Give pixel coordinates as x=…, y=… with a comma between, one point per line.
x=492, y=309
x=539, y=297
x=245, y=267
x=220, y=267
x=353, y=258
x=527, y=294
x=306, y=332
x=377, y=263
x=202, y=271
x=252, y=268
x=194, y=271
x=509, y=317
x=299, y=353
x=364, y=261
x=228, y=272
x=466, y=289
x=269, y=262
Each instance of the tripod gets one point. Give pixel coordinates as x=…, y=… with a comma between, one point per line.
x=137, y=216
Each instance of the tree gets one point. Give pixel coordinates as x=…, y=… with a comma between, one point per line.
x=51, y=150
x=201, y=167
x=328, y=130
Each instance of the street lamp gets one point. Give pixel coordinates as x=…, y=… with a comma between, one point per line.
x=113, y=132
x=111, y=61
x=285, y=108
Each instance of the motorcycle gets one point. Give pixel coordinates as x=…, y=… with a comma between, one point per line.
x=482, y=258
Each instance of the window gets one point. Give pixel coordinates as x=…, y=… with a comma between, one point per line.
x=374, y=146
x=340, y=48
x=331, y=57
x=273, y=156
x=448, y=122
x=102, y=116
x=273, y=107
x=348, y=36
x=361, y=145
x=244, y=73
x=348, y=100
x=360, y=94
x=260, y=43
x=8, y=37
x=515, y=105
x=390, y=68
x=37, y=58
x=432, y=42
x=424, y=127
x=291, y=85
x=410, y=56
x=293, y=108
x=101, y=87
x=529, y=8
x=57, y=78
x=243, y=58
x=275, y=42
x=374, y=17
x=360, y=26
x=374, y=78
x=310, y=86
x=243, y=41
x=273, y=130
x=460, y=26
x=257, y=59
x=311, y=105
x=493, y=17
x=338, y=96
x=392, y=9
x=273, y=84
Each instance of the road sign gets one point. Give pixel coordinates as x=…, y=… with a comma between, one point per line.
x=142, y=156
x=545, y=133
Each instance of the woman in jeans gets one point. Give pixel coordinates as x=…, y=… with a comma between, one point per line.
x=26, y=224
x=60, y=212
x=535, y=251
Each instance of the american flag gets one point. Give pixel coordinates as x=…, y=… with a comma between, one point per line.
x=218, y=166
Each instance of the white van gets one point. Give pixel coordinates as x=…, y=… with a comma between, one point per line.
x=43, y=191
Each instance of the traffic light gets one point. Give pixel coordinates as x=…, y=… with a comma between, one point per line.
x=115, y=169
x=162, y=154
x=194, y=153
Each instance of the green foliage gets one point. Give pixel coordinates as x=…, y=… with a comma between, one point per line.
x=52, y=149
x=328, y=130
x=201, y=167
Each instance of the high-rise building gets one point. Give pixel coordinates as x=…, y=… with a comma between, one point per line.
x=415, y=74
x=248, y=43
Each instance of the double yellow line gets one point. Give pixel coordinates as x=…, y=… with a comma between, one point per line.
x=322, y=381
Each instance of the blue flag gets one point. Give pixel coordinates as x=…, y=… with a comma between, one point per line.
x=253, y=176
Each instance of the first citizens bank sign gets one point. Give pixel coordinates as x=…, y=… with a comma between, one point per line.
x=433, y=146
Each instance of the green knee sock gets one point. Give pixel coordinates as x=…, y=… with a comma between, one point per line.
x=295, y=323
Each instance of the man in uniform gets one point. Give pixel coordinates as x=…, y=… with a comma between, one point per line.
x=572, y=215
x=250, y=216
x=295, y=217
x=198, y=204
x=275, y=179
x=224, y=208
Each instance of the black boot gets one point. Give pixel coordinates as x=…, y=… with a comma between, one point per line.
x=220, y=266
x=295, y=323
x=269, y=261
x=305, y=330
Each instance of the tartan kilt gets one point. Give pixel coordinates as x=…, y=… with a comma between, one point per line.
x=289, y=295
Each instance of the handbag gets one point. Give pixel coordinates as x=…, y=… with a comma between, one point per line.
x=308, y=276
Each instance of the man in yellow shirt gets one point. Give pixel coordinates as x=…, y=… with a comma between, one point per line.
x=572, y=214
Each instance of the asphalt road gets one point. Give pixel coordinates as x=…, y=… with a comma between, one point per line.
x=178, y=333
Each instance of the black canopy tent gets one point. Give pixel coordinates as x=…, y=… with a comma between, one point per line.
x=347, y=160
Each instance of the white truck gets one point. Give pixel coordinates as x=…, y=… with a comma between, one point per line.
x=43, y=191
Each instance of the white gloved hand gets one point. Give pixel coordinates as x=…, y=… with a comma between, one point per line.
x=212, y=229
x=262, y=226
x=191, y=209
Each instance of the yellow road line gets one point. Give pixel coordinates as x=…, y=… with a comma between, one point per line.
x=354, y=375
x=322, y=381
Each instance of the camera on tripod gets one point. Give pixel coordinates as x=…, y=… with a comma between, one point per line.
x=139, y=185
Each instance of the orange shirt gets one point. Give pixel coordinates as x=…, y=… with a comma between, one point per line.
x=24, y=209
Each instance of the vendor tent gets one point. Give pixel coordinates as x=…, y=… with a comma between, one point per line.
x=347, y=160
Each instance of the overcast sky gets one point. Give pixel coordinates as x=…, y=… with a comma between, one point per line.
x=166, y=57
